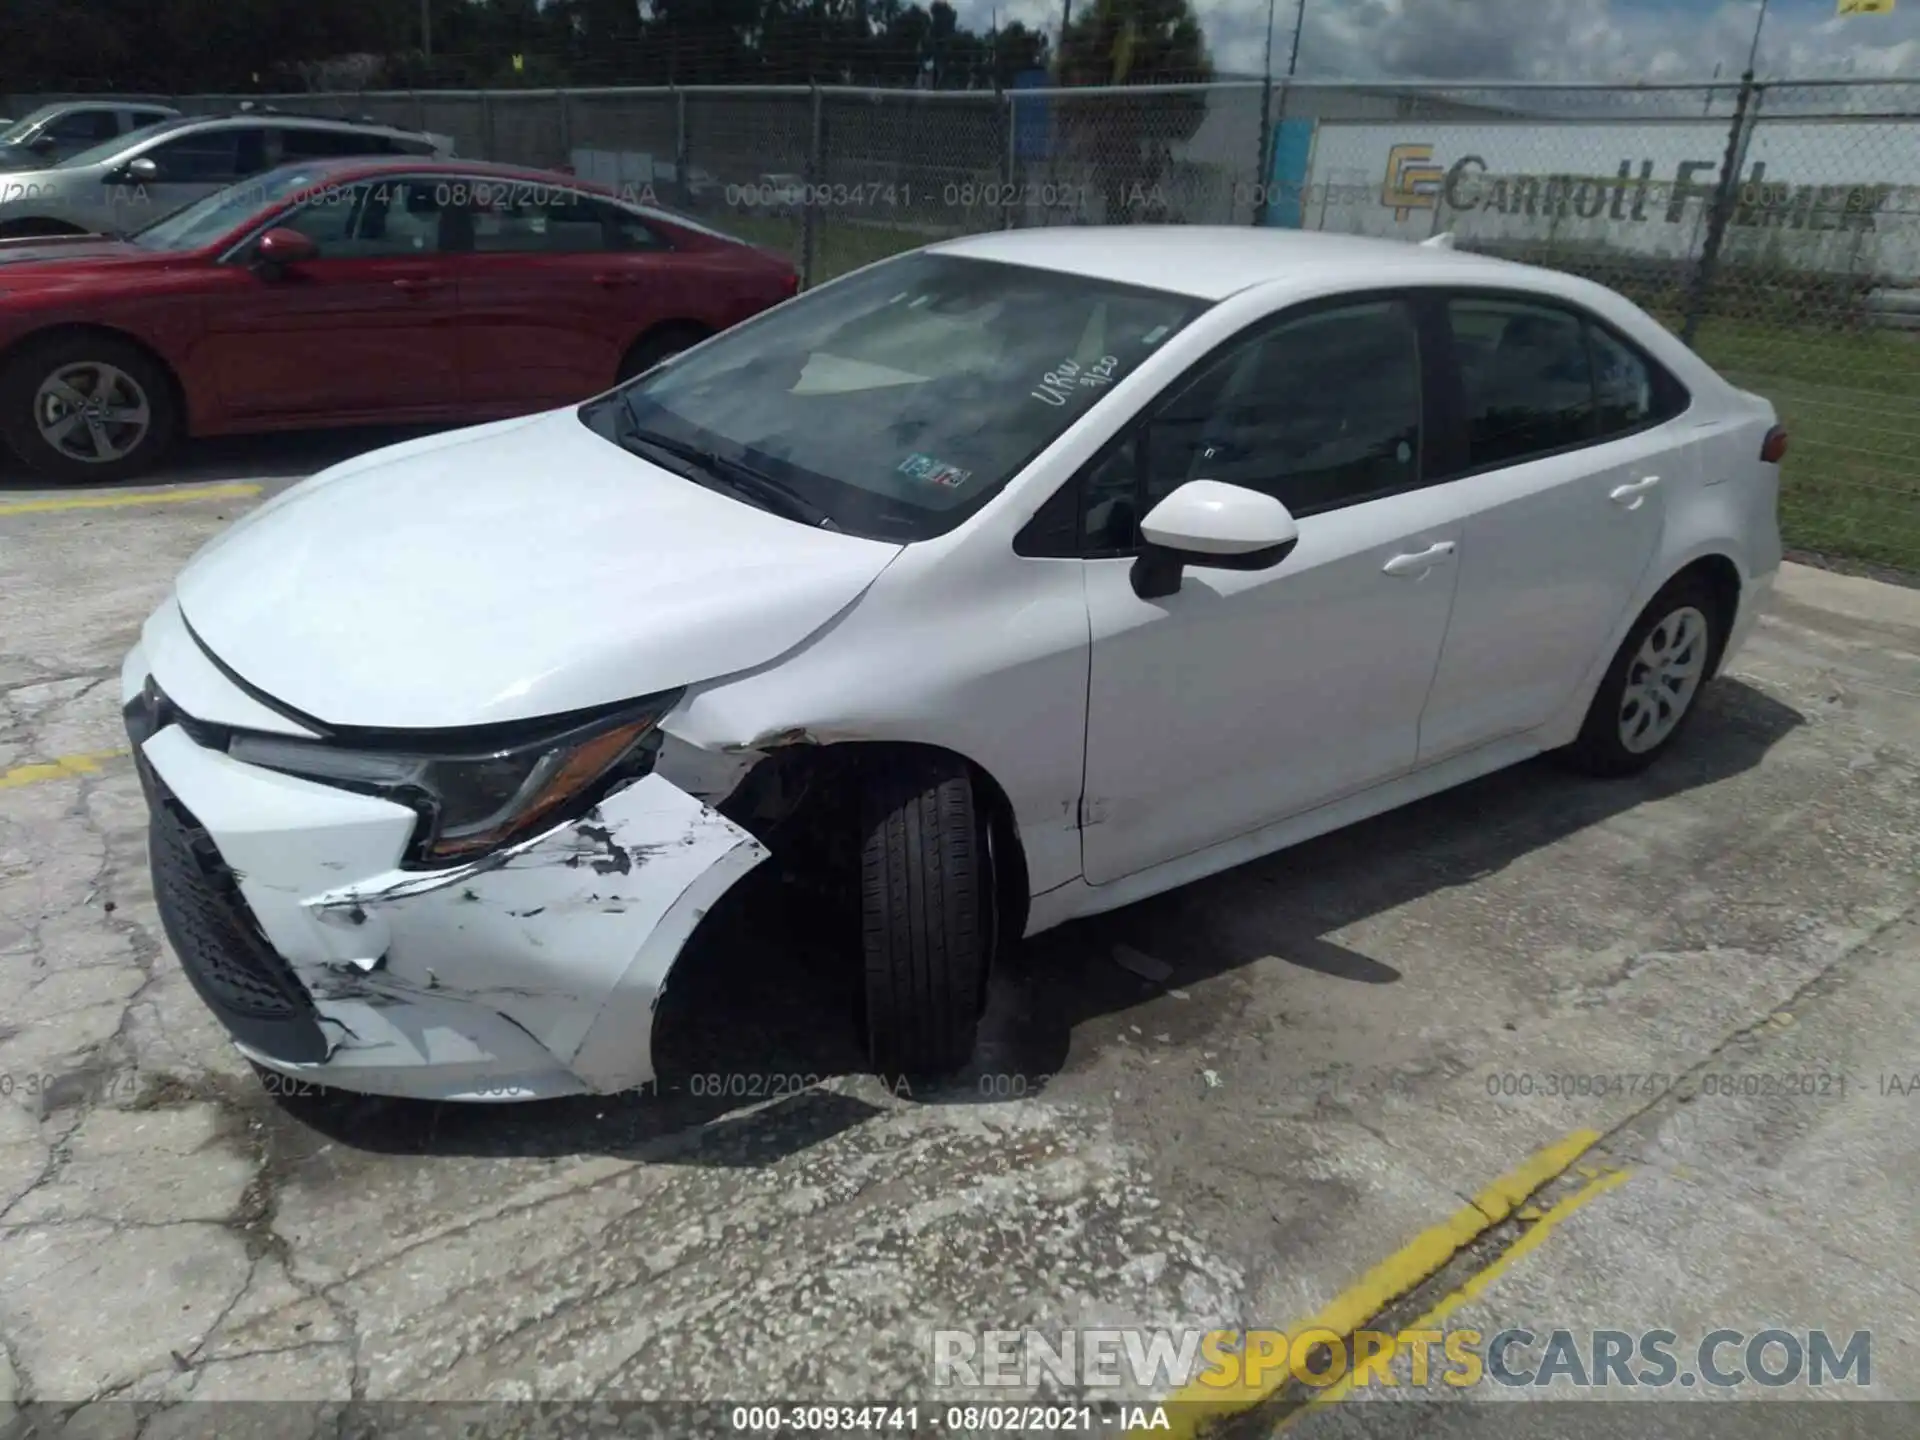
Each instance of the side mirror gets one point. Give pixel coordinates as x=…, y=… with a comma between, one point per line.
x=1211, y=526
x=281, y=247
x=143, y=169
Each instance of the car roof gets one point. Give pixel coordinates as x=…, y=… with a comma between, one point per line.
x=350, y=165
x=1211, y=262
x=277, y=118
x=99, y=102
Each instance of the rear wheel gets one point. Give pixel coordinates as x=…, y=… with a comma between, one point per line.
x=88, y=409
x=927, y=917
x=663, y=344
x=1651, y=689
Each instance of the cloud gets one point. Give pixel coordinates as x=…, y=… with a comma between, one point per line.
x=1538, y=39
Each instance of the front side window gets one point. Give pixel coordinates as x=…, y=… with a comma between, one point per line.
x=1318, y=412
x=1527, y=377
x=899, y=400
x=371, y=220
x=84, y=127
x=214, y=157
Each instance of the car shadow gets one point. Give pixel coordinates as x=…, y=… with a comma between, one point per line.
x=766, y=1004
x=286, y=455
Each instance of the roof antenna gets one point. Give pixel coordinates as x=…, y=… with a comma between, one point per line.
x=1442, y=241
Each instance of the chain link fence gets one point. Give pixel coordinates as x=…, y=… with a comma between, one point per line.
x=1775, y=226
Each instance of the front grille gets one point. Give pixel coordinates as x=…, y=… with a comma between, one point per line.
x=237, y=972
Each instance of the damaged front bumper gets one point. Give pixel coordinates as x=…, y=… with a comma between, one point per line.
x=532, y=973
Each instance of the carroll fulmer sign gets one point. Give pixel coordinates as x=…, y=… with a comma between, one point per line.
x=1816, y=193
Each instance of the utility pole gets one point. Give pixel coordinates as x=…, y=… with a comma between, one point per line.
x=426, y=28
x=1299, y=24
x=1758, y=25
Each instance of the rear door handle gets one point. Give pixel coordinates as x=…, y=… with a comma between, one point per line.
x=607, y=277
x=418, y=286
x=1421, y=562
x=1632, y=496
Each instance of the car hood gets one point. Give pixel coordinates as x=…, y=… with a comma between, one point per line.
x=52, y=259
x=517, y=570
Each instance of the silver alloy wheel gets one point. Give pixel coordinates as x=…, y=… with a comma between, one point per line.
x=92, y=412
x=1662, y=679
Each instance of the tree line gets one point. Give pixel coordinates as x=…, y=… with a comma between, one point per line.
x=227, y=46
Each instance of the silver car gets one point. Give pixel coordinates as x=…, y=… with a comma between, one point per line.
x=55, y=132
x=127, y=183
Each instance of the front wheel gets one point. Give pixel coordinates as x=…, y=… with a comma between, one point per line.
x=1651, y=689
x=927, y=919
x=87, y=409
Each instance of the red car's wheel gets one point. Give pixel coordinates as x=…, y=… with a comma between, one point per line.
x=87, y=409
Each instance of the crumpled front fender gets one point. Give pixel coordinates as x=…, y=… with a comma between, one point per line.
x=532, y=972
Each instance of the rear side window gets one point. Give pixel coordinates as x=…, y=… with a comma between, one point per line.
x=149, y=117
x=533, y=219
x=1528, y=379
x=305, y=144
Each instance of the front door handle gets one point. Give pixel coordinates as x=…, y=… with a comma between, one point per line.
x=1420, y=563
x=1634, y=495
x=606, y=277
x=418, y=286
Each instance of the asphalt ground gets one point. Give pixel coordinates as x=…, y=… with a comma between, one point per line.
x=1542, y=1053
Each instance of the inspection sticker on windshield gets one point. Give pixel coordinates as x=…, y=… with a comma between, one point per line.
x=1061, y=381
x=925, y=467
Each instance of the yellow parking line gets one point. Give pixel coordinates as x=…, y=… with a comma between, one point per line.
x=1199, y=1404
x=64, y=768
x=237, y=491
x=1470, y=1289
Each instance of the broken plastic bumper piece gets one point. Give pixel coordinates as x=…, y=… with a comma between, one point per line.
x=531, y=972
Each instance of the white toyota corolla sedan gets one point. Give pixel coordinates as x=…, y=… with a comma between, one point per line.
x=1003, y=582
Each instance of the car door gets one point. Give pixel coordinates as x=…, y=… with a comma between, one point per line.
x=364, y=331
x=554, y=285
x=1246, y=697
x=1565, y=469
x=186, y=168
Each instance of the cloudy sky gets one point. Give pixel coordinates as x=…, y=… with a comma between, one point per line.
x=1539, y=39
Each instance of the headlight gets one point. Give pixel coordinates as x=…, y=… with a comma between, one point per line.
x=475, y=799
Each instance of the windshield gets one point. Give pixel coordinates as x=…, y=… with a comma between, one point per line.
x=899, y=400
x=207, y=219
x=18, y=129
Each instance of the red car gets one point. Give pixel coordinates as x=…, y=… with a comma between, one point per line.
x=348, y=292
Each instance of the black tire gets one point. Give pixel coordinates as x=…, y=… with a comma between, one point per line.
x=662, y=344
x=927, y=918
x=1602, y=747
x=25, y=372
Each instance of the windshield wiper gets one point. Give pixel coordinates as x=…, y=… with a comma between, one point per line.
x=771, y=493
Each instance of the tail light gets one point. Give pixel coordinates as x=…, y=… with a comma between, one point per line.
x=1774, y=448
x=791, y=283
